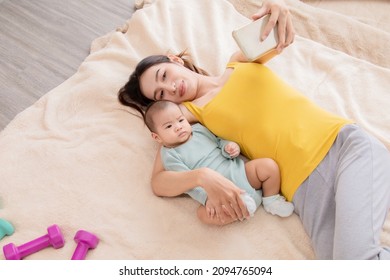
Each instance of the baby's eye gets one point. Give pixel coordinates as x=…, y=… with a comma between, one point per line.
x=168, y=126
x=164, y=75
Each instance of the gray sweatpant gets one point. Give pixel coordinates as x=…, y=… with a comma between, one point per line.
x=344, y=202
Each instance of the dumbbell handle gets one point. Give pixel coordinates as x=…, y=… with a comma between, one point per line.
x=34, y=246
x=80, y=251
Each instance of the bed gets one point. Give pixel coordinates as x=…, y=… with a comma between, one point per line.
x=80, y=160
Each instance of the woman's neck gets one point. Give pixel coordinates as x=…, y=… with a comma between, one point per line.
x=209, y=86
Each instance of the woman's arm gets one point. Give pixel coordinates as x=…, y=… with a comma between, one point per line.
x=172, y=183
x=220, y=191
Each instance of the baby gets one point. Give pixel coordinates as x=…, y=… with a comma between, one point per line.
x=186, y=147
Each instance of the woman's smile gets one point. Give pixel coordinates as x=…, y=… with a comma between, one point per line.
x=182, y=88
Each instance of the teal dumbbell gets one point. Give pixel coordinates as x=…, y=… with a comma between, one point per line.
x=5, y=228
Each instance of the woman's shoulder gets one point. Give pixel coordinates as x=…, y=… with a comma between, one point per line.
x=237, y=57
x=231, y=65
x=235, y=60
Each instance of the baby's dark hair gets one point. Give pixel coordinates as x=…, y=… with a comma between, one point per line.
x=152, y=109
x=131, y=95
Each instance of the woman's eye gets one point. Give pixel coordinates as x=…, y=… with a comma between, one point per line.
x=161, y=95
x=164, y=75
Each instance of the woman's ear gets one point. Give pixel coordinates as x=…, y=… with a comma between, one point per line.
x=175, y=58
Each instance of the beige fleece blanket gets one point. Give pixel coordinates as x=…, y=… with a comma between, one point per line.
x=78, y=159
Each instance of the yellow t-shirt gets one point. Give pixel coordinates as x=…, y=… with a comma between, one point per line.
x=268, y=118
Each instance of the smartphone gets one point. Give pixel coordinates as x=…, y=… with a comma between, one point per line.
x=248, y=39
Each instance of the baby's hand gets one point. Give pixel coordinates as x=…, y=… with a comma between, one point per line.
x=232, y=149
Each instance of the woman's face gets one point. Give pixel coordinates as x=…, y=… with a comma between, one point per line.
x=169, y=81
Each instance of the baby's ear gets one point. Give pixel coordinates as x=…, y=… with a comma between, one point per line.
x=156, y=137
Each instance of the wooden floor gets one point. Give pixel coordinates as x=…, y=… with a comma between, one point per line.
x=42, y=43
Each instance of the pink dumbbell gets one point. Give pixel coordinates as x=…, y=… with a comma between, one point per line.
x=85, y=241
x=53, y=238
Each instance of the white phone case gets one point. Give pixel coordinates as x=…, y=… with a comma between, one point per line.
x=248, y=39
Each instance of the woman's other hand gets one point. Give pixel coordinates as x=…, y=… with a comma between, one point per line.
x=279, y=14
x=222, y=195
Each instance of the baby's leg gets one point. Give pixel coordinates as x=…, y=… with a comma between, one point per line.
x=264, y=173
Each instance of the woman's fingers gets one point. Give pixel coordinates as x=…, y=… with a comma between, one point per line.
x=279, y=14
x=243, y=208
x=238, y=209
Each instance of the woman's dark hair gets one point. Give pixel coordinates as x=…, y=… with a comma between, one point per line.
x=131, y=95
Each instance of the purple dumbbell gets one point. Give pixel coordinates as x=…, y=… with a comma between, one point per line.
x=85, y=241
x=53, y=238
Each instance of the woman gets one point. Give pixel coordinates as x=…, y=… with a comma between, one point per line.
x=337, y=176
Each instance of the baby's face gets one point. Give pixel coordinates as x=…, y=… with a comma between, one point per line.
x=172, y=128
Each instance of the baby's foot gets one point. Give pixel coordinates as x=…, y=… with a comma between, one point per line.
x=277, y=205
x=249, y=202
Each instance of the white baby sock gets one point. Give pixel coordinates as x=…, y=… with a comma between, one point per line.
x=249, y=202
